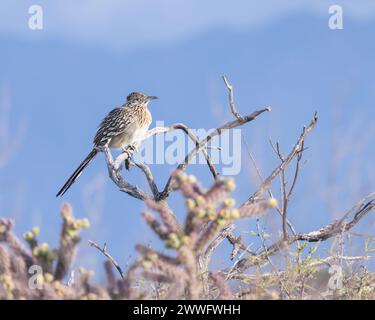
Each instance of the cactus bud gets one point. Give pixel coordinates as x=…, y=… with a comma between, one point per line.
x=85, y=223
x=190, y=204
x=200, y=201
x=35, y=231
x=181, y=176
x=191, y=179
x=229, y=203
x=185, y=239
x=201, y=213
x=272, y=203
x=28, y=236
x=235, y=214
x=221, y=221
x=146, y=264
x=230, y=185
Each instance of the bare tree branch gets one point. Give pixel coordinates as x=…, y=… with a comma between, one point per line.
x=108, y=256
x=114, y=166
x=286, y=194
x=324, y=233
x=114, y=174
x=190, y=134
x=216, y=132
x=204, y=258
x=296, y=149
x=150, y=178
x=231, y=99
x=268, y=188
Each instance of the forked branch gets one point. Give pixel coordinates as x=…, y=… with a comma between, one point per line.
x=114, y=166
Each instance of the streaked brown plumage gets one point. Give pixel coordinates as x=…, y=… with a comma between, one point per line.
x=123, y=126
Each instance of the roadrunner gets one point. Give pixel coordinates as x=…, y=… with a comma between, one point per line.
x=123, y=127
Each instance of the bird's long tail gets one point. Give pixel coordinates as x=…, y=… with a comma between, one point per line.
x=77, y=173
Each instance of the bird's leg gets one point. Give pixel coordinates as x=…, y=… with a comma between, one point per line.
x=124, y=156
x=135, y=146
x=130, y=150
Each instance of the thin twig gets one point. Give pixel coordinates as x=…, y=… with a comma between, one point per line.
x=216, y=132
x=114, y=166
x=324, y=233
x=205, y=258
x=288, y=159
x=108, y=256
x=150, y=178
x=191, y=135
x=263, y=242
x=259, y=174
x=231, y=99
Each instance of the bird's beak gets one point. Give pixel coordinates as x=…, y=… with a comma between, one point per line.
x=152, y=98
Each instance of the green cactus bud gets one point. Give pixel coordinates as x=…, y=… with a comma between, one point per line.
x=173, y=241
x=229, y=203
x=28, y=236
x=200, y=201
x=71, y=233
x=85, y=223
x=76, y=225
x=153, y=256
x=272, y=203
x=230, y=185
x=36, y=251
x=190, y=204
x=211, y=215
x=235, y=214
x=211, y=210
x=185, y=239
x=221, y=221
x=56, y=285
x=181, y=176
x=48, y=277
x=43, y=248
x=200, y=213
x=146, y=264
x=225, y=213
x=191, y=179
x=35, y=231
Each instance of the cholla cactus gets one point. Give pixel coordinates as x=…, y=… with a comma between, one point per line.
x=17, y=278
x=208, y=212
x=179, y=272
x=68, y=240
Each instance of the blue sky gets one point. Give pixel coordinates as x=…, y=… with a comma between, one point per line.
x=59, y=82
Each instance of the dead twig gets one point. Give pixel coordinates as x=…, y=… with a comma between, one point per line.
x=296, y=149
x=360, y=210
x=108, y=256
x=231, y=99
x=114, y=166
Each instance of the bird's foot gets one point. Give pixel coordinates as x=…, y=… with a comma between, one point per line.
x=129, y=151
x=128, y=164
x=133, y=148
